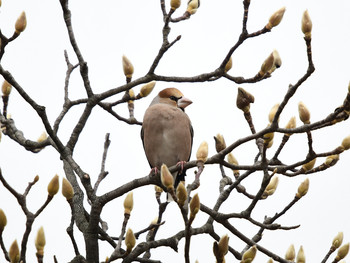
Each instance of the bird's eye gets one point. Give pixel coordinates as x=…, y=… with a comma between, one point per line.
x=174, y=98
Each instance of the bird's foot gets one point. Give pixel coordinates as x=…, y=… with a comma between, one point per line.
x=154, y=171
x=181, y=164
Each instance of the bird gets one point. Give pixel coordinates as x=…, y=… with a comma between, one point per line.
x=167, y=133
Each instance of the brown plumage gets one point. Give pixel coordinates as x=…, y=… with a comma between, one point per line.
x=167, y=132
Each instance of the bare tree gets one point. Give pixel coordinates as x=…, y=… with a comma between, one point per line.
x=81, y=189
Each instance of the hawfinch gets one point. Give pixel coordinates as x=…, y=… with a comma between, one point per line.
x=167, y=132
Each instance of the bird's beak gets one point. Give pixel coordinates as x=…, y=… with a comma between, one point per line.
x=183, y=102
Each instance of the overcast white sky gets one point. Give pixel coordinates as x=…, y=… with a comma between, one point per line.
x=108, y=29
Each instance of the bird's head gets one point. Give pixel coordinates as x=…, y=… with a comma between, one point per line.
x=172, y=96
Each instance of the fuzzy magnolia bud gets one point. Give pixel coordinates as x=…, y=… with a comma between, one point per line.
x=276, y=18
x=3, y=220
x=6, y=88
x=301, y=255
x=306, y=24
x=220, y=143
x=175, y=4
x=308, y=166
x=232, y=160
x=21, y=23
x=128, y=203
x=40, y=241
x=128, y=68
x=337, y=241
x=158, y=189
x=332, y=160
x=244, y=99
x=131, y=95
x=271, y=187
x=192, y=6
x=304, y=113
x=267, y=65
x=223, y=245
x=273, y=111
x=277, y=59
x=130, y=240
x=228, y=65
x=220, y=248
x=53, y=186
x=194, y=206
x=346, y=143
x=42, y=137
x=14, y=252
x=166, y=177
x=270, y=260
x=303, y=188
x=181, y=194
x=202, y=152
x=291, y=125
x=342, y=252
x=290, y=254
x=249, y=255
x=67, y=189
x=147, y=89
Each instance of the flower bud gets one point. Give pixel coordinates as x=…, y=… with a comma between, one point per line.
x=346, y=143
x=40, y=241
x=147, y=89
x=14, y=252
x=3, y=220
x=130, y=240
x=128, y=203
x=128, y=68
x=67, y=189
x=249, y=255
x=332, y=160
x=308, y=166
x=232, y=160
x=131, y=95
x=290, y=254
x=194, y=206
x=276, y=18
x=36, y=178
x=291, y=125
x=166, y=177
x=337, y=241
x=342, y=252
x=304, y=113
x=42, y=137
x=21, y=23
x=228, y=65
x=306, y=24
x=271, y=187
x=273, y=111
x=192, y=6
x=220, y=143
x=277, y=59
x=158, y=189
x=268, y=137
x=202, y=152
x=244, y=99
x=267, y=65
x=301, y=255
x=53, y=186
x=303, y=188
x=181, y=194
x=270, y=260
x=175, y=4
x=6, y=88
x=223, y=245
